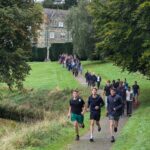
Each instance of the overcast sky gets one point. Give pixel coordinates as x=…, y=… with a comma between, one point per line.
x=39, y=0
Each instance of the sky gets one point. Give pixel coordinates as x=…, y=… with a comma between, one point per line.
x=39, y=0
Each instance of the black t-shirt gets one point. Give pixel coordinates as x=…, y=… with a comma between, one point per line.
x=77, y=105
x=93, y=102
x=107, y=90
x=135, y=88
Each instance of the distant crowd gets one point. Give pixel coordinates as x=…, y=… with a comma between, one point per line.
x=72, y=63
x=92, y=79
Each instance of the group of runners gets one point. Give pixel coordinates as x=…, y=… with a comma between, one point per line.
x=115, y=94
x=72, y=63
x=92, y=79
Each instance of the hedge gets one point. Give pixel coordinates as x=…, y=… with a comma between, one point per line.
x=39, y=54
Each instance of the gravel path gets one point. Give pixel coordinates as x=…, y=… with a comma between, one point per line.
x=102, y=139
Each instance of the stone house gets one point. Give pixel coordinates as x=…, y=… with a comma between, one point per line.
x=53, y=29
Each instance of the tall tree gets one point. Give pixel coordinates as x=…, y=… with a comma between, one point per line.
x=79, y=23
x=19, y=21
x=123, y=30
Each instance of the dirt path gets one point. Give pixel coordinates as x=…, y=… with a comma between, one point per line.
x=102, y=139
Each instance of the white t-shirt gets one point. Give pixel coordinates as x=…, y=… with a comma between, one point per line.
x=129, y=95
x=98, y=79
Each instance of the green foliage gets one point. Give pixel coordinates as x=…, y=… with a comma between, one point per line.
x=19, y=22
x=122, y=30
x=38, y=54
x=60, y=48
x=79, y=22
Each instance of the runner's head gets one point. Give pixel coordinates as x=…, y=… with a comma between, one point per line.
x=113, y=91
x=94, y=91
x=135, y=82
x=75, y=93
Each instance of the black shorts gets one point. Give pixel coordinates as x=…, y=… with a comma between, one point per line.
x=95, y=116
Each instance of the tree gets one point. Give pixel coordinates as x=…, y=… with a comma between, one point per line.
x=123, y=32
x=19, y=21
x=48, y=3
x=79, y=23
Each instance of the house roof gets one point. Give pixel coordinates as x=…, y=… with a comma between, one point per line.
x=55, y=13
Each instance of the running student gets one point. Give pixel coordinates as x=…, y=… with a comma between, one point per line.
x=76, y=112
x=114, y=111
x=95, y=102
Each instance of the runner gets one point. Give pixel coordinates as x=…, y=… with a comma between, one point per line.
x=114, y=111
x=129, y=99
x=76, y=112
x=95, y=102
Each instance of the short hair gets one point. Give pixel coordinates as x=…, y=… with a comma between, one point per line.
x=75, y=90
x=94, y=88
x=108, y=81
x=113, y=89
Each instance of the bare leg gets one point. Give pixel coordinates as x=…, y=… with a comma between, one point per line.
x=76, y=127
x=111, y=126
x=99, y=126
x=91, y=128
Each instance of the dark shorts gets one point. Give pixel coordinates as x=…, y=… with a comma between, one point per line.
x=114, y=117
x=78, y=118
x=95, y=116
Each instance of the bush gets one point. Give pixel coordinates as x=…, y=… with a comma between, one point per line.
x=39, y=54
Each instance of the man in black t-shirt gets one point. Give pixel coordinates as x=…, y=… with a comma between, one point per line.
x=76, y=112
x=95, y=102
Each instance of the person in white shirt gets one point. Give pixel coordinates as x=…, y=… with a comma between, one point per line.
x=129, y=99
x=98, y=81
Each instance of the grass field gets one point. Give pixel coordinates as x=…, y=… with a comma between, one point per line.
x=136, y=133
x=46, y=99
x=52, y=85
x=49, y=75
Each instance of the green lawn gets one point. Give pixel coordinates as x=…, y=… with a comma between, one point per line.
x=44, y=135
x=136, y=134
x=49, y=75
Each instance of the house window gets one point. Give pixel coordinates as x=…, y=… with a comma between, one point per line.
x=61, y=24
x=52, y=35
x=62, y=35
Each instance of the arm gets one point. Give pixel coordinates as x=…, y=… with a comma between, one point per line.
x=120, y=105
x=88, y=104
x=102, y=103
x=83, y=110
x=69, y=112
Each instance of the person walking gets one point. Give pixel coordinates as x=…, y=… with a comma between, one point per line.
x=136, y=92
x=107, y=91
x=98, y=81
x=129, y=99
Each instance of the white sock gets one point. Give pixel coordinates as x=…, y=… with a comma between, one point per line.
x=91, y=136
